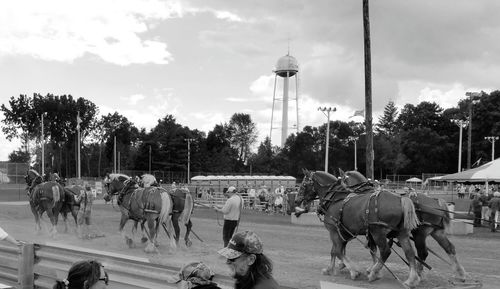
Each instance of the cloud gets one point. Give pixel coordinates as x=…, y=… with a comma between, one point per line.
x=133, y=99
x=59, y=30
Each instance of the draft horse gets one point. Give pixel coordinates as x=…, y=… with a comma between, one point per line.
x=432, y=213
x=348, y=215
x=44, y=197
x=153, y=205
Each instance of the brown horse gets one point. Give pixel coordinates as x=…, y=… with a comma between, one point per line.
x=433, y=216
x=44, y=197
x=153, y=205
x=348, y=215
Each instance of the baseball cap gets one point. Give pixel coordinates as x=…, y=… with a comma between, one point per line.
x=496, y=194
x=193, y=270
x=240, y=243
x=231, y=189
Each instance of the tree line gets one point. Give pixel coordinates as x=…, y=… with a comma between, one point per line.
x=412, y=140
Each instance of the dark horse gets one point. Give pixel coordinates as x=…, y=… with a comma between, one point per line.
x=433, y=216
x=154, y=205
x=348, y=215
x=46, y=197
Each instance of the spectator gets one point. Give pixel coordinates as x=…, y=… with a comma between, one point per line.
x=86, y=199
x=485, y=210
x=84, y=274
x=476, y=206
x=278, y=203
x=195, y=275
x=494, y=206
x=251, y=197
x=6, y=237
x=232, y=213
x=251, y=269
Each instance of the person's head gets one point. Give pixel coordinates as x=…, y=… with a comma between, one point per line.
x=244, y=255
x=194, y=274
x=88, y=274
x=230, y=191
x=496, y=194
x=88, y=187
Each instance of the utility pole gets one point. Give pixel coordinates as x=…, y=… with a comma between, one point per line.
x=368, y=91
x=150, y=159
x=473, y=98
x=327, y=146
x=189, y=140
x=492, y=140
x=43, y=149
x=355, y=140
x=461, y=124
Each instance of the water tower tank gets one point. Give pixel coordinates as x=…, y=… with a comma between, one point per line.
x=286, y=64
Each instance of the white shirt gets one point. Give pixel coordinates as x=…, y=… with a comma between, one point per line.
x=3, y=234
x=231, y=209
x=251, y=193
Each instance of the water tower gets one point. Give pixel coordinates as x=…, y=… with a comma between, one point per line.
x=286, y=67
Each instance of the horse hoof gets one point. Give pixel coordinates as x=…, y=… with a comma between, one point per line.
x=341, y=266
x=326, y=271
x=144, y=240
x=373, y=277
x=188, y=243
x=129, y=242
x=354, y=275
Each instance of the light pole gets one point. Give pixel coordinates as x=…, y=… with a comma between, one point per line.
x=43, y=148
x=327, y=110
x=492, y=140
x=354, y=139
x=189, y=140
x=473, y=99
x=149, y=159
x=461, y=124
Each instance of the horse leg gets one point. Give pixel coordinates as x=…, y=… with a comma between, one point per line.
x=331, y=268
x=144, y=237
x=150, y=247
x=444, y=242
x=372, y=246
x=404, y=240
x=38, y=226
x=53, y=220
x=128, y=240
x=177, y=229
x=187, y=241
x=379, y=237
x=65, y=219
x=420, y=235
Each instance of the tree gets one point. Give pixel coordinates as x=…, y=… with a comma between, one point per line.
x=19, y=156
x=116, y=125
x=243, y=134
x=387, y=123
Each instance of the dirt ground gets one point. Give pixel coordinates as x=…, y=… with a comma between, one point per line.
x=298, y=252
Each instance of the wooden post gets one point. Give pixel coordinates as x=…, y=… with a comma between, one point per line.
x=26, y=265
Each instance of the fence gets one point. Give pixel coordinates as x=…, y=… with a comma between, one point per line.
x=39, y=265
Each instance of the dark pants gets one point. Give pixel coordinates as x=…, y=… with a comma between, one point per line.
x=492, y=221
x=477, y=218
x=228, y=230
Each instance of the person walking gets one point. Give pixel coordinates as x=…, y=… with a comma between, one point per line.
x=232, y=213
x=84, y=275
x=4, y=236
x=476, y=206
x=86, y=199
x=494, y=206
x=250, y=268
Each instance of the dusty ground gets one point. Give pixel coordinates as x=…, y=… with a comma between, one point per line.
x=299, y=253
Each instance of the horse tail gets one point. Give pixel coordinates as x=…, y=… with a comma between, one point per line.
x=447, y=217
x=167, y=206
x=410, y=216
x=56, y=194
x=188, y=209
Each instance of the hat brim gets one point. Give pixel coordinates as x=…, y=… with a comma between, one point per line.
x=229, y=253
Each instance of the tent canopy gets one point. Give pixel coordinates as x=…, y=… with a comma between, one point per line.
x=414, y=180
x=489, y=172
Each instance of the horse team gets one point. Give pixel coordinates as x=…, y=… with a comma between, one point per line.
x=148, y=204
x=350, y=206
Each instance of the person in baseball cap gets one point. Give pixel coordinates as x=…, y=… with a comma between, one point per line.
x=194, y=275
x=250, y=267
x=232, y=213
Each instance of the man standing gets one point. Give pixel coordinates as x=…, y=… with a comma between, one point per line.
x=86, y=199
x=494, y=206
x=232, y=212
x=250, y=267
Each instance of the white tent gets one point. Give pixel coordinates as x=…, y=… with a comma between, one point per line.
x=414, y=180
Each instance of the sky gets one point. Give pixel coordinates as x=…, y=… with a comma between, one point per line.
x=204, y=60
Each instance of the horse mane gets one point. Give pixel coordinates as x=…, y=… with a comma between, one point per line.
x=324, y=178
